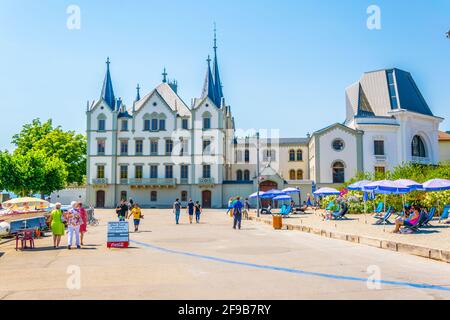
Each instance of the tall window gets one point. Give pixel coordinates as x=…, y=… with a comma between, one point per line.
x=299, y=155
x=291, y=155
x=206, y=171
x=292, y=175
x=185, y=124
x=154, y=147
x=418, y=147
x=378, y=147
x=154, y=124
x=247, y=175
x=101, y=124
x=206, y=123
x=101, y=172
x=239, y=175
x=153, y=172
x=392, y=91
x=338, y=172
x=153, y=196
x=269, y=155
x=184, y=172
x=206, y=147
x=184, y=196
x=299, y=174
x=139, y=147
x=147, y=125
x=124, y=125
x=138, y=172
x=238, y=156
x=169, y=147
x=162, y=124
x=247, y=156
x=101, y=147
x=169, y=171
x=123, y=172
x=123, y=147
x=184, y=147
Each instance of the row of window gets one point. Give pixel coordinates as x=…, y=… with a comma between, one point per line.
x=168, y=172
x=295, y=155
x=417, y=147
x=243, y=175
x=296, y=175
x=154, y=124
x=169, y=146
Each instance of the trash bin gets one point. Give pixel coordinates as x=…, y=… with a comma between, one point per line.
x=277, y=222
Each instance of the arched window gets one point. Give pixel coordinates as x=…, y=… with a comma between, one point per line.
x=162, y=122
x=101, y=122
x=418, y=147
x=292, y=175
x=247, y=175
x=206, y=120
x=291, y=155
x=123, y=195
x=184, y=196
x=153, y=196
x=154, y=122
x=338, y=172
x=299, y=155
x=239, y=175
x=247, y=156
x=299, y=174
x=147, y=122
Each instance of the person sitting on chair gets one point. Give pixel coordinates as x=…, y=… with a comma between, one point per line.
x=409, y=222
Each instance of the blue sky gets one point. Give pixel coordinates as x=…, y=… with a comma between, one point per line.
x=284, y=64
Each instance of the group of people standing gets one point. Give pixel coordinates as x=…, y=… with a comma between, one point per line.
x=191, y=209
x=76, y=221
x=126, y=210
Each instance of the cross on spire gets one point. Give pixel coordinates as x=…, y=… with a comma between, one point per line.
x=164, y=74
x=138, y=94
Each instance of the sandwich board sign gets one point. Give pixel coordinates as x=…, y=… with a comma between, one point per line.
x=118, y=235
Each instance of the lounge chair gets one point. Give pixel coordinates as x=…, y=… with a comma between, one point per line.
x=286, y=211
x=385, y=218
x=330, y=206
x=430, y=217
x=379, y=209
x=445, y=213
x=340, y=215
x=422, y=218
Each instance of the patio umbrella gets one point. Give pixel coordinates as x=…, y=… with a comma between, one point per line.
x=282, y=198
x=386, y=187
x=272, y=194
x=437, y=185
x=255, y=195
x=411, y=184
x=26, y=203
x=291, y=191
x=358, y=186
x=326, y=192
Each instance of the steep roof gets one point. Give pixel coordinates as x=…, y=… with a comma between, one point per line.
x=107, y=89
x=172, y=99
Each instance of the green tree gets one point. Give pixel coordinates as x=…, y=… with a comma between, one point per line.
x=54, y=143
x=31, y=173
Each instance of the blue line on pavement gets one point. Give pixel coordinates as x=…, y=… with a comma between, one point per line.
x=295, y=271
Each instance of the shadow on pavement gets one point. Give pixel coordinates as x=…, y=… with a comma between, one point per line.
x=2, y=254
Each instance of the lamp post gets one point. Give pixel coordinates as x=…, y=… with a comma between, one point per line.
x=257, y=174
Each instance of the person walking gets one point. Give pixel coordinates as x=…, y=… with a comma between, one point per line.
x=73, y=225
x=198, y=211
x=246, y=209
x=177, y=210
x=122, y=210
x=190, y=210
x=137, y=216
x=84, y=218
x=57, y=225
x=237, y=213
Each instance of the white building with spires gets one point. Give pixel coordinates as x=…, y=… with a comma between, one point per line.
x=160, y=148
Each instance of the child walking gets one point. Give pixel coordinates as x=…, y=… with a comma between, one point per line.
x=137, y=216
x=198, y=211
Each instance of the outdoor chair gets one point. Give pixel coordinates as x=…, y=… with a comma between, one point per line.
x=379, y=208
x=445, y=213
x=23, y=237
x=430, y=217
x=287, y=211
x=416, y=226
x=341, y=214
x=385, y=218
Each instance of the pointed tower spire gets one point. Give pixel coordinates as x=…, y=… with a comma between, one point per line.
x=138, y=92
x=209, y=88
x=107, y=90
x=164, y=74
x=218, y=93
